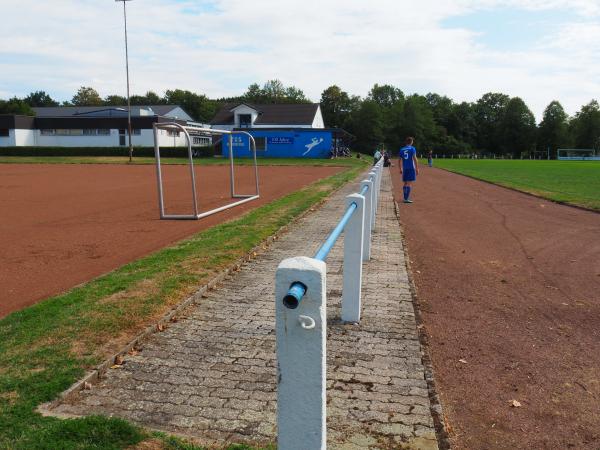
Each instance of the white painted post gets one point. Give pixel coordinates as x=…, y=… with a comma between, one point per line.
x=373, y=199
x=376, y=192
x=353, y=259
x=366, y=254
x=301, y=338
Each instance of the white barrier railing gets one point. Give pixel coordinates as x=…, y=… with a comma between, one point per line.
x=301, y=319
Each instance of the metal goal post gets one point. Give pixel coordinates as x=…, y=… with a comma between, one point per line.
x=173, y=126
x=577, y=154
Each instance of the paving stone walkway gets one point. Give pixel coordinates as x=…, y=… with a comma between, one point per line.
x=212, y=374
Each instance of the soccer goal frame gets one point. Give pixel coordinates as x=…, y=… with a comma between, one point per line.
x=577, y=154
x=173, y=126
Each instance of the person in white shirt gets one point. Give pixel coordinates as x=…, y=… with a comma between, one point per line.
x=376, y=156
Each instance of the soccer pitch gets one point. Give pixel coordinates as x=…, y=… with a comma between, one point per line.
x=573, y=182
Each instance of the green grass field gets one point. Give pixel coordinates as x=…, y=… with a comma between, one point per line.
x=572, y=182
x=47, y=347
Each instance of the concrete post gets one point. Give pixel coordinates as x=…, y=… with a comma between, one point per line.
x=373, y=198
x=377, y=188
x=366, y=254
x=301, y=337
x=353, y=260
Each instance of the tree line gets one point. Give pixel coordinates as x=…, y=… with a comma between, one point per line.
x=494, y=124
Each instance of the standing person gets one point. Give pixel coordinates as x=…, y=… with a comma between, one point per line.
x=409, y=167
x=386, y=159
x=430, y=158
x=376, y=156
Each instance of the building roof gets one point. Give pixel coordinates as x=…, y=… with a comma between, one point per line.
x=107, y=111
x=271, y=114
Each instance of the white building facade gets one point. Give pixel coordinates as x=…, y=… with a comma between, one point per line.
x=96, y=127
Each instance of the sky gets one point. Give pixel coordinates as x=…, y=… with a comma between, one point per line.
x=539, y=50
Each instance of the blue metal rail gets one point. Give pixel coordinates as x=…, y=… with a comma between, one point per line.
x=323, y=252
x=297, y=290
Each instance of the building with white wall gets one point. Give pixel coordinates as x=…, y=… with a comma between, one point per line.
x=279, y=130
x=244, y=115
x=96, y=126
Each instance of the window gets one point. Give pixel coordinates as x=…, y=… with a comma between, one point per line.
x=245, y=120
x=48, y=132
x=173, y=133
x=261, y=143
x=201, y=141
x=4, y=132
x=96, y=132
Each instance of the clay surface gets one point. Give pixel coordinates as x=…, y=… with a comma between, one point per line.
x=509, y=285
x=62, y=225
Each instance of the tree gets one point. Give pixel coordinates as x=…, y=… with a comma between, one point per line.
x=336, y=106
x=198, y=106
x=150, y=98
x=553, y=132
x=87, y=96
x=367, y=126
x=517, y=129
x=115, y=100
x=385, y=95
x=295, y=95
x=488, y=114
x=39, y=98
x=442, y=108
x=15, y=106
x=254, y=94
x=418, y=121
x=273, y=91
x=585, y=126
x=466, y=129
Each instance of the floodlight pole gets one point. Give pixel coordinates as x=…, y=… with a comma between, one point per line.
x=127, y=72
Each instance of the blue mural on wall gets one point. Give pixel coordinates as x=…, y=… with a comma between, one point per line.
x=298, y=143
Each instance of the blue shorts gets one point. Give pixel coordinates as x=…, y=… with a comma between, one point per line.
x=409, y=175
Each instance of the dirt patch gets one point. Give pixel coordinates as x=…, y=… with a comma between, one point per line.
x=66, y=224
x=509, y=290
x=9, y=397
x=151, y=444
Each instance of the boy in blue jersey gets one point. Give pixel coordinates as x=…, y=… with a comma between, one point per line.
x=409, y=167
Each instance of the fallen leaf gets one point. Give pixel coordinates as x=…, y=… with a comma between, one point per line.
x=418, y=271
x=119, y=360
x=87, y=385
x=515, y=404
x=160, y=327
x=464, y=361
x=116, y=366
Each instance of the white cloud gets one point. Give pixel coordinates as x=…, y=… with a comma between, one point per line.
x=310, y=44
